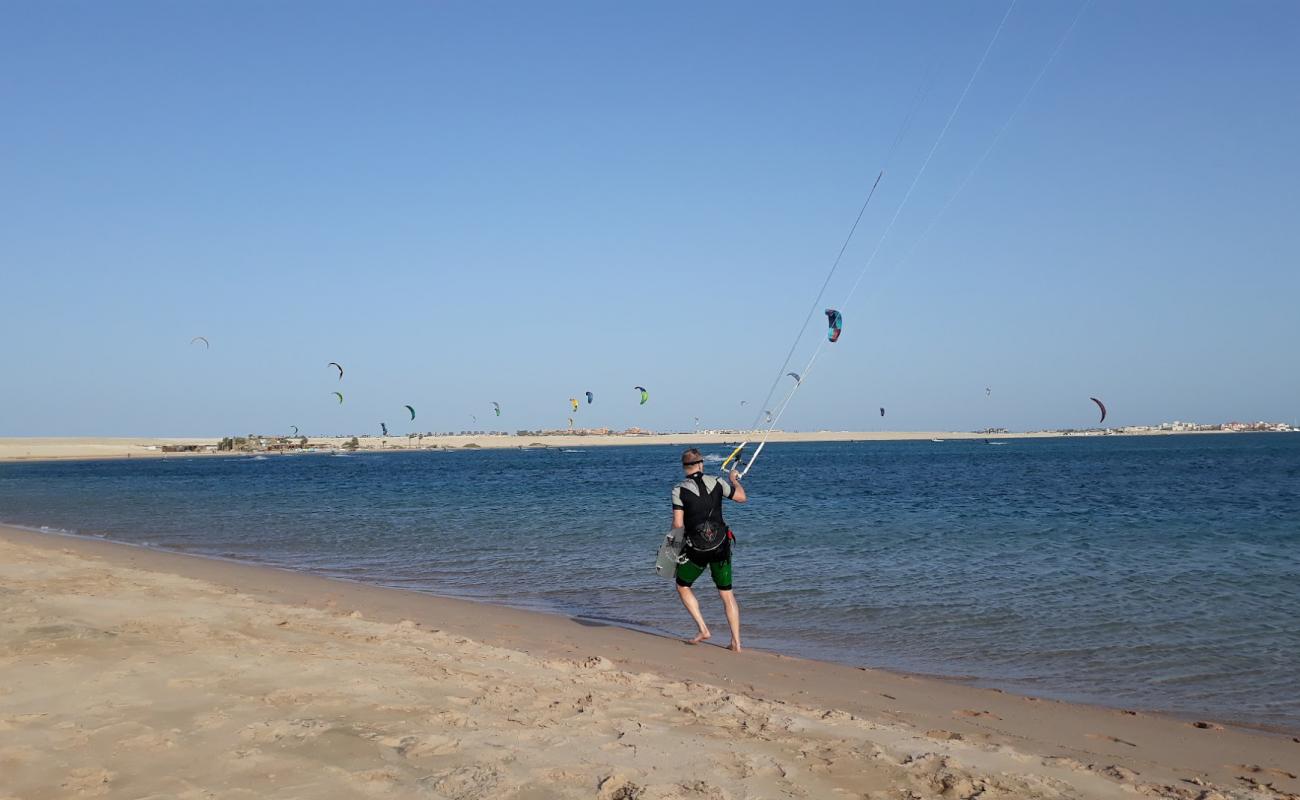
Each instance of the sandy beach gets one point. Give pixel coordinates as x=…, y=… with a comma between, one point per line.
x=134, y=673
x=54, y=448
x=104, y=447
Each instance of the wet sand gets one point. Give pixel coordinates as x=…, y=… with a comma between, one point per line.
x=133, y=673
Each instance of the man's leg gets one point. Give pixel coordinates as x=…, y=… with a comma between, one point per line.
x=693, y=608
x=721, y=571
x=733, y=617
x=687, y=572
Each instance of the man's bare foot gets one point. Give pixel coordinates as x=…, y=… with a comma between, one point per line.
x=734, y=647
x=699, y=637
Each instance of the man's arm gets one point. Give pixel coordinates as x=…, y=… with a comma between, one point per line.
x=737, y=491
x=679, y=513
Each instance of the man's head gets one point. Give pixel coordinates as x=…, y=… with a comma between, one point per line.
x=692, y=461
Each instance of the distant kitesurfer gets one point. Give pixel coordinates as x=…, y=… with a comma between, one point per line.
x=697, y=514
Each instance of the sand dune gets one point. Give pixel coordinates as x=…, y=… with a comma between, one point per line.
x=135, y=674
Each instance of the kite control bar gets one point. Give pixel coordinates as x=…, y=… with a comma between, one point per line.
x=734, y=457
x=735, y=461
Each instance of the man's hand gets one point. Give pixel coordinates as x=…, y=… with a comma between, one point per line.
x=737, y=491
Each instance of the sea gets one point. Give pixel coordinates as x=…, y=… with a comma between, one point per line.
x=1154, y=573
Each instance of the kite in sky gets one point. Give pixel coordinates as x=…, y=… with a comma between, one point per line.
x=834, y=324
x=1102, y=406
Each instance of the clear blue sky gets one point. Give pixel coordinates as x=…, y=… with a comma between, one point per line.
x=467, y=202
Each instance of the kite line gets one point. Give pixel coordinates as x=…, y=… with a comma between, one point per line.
x=774, y=419
x=922, y=92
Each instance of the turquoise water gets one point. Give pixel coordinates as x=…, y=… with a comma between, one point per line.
x=1141, y=572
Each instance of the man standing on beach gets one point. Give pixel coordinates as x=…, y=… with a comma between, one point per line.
x=697, y=513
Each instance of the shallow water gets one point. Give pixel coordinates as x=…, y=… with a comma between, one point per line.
x=1144, y=572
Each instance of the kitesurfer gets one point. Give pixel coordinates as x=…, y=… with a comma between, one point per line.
x=697, y=514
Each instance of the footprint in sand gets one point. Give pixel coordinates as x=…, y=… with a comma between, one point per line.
x=210, y=720
x=618, y=787
x=148, y=740
x=1206, y=726
x=452, y=719
x=1107, y=738
x=88, y=781
x=283, y=730
x=424, y=746
x=970, y=712
x=1255, y=769
x=945, y=736
x=471, y=780
x=1121, y=774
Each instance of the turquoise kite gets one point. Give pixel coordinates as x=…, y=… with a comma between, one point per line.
x=834, y=324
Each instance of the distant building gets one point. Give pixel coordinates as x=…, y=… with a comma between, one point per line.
x=187, y=448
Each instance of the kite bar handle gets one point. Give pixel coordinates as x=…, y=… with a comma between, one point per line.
x=752, y=459
x=733, y=457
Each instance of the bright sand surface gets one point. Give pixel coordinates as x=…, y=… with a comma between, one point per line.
x=134, y=673
x=54, y=448
x=69, y=447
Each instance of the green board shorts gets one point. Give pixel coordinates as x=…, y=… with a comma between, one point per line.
x=719, y=569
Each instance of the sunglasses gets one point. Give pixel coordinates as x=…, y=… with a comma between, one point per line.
x=692, y=463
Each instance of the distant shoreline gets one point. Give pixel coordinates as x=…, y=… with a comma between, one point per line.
x=109, y=448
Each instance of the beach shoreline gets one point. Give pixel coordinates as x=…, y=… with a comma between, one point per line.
x=945, y=717
x=89, y=448
x=269, y=573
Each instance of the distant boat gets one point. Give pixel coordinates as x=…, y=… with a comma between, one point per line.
x=937, y=440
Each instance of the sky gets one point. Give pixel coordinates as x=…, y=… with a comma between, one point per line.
x=471, y=202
